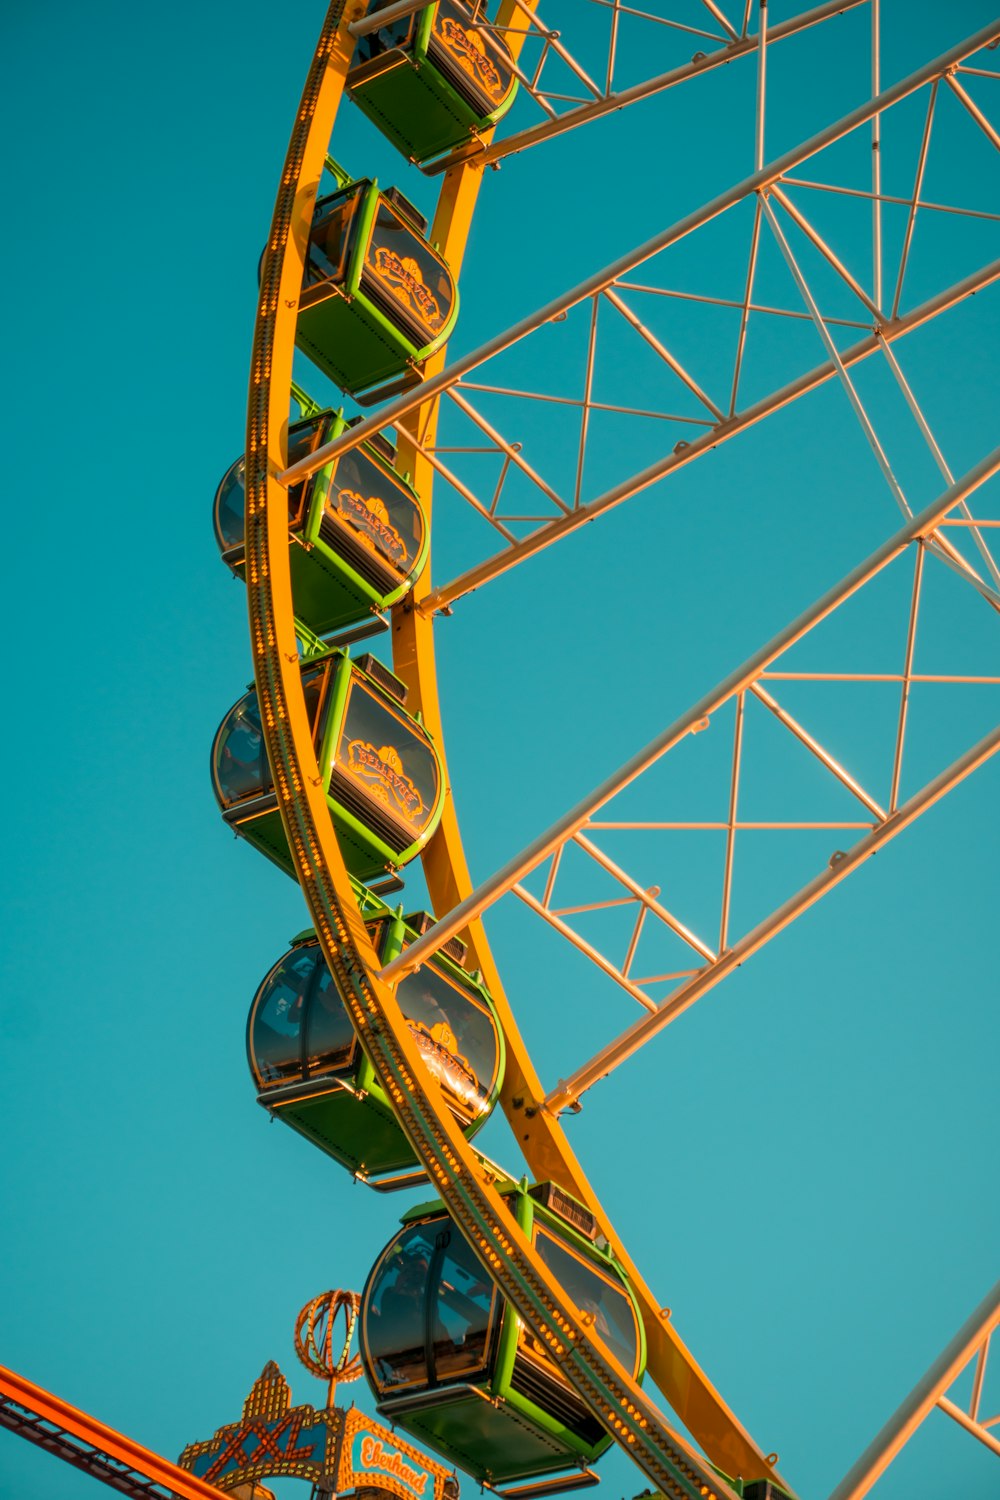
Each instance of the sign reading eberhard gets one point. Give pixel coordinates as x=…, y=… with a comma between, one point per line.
x=373, y=1457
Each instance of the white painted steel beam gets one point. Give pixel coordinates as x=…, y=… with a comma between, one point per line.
x=926, y=1394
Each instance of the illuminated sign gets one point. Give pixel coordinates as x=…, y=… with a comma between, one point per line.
x=381, y=772
x=371, y=518
x=439, y=1049
x=272, y=1437
x=470, y=54
x=401, y=274
x=336, y=1450
x=373, y=1457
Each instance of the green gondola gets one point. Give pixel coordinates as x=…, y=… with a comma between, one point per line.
x=380, y=770
x=449, y=1360
x=431, y=81
x=311, y=1072
x=377, y=299
x=359, y=537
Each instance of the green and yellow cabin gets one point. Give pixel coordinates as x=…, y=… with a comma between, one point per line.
x=377, y=299
x=380, y=770
x=311, y=1072
x=357, y=533
x=449, y=1360
x=431, y=81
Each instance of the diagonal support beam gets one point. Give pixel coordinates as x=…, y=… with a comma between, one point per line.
x=925, y=1395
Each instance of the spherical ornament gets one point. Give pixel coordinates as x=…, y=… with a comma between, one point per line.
x=314, y=1336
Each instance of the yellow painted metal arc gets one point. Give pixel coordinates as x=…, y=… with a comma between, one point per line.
x=614, y=1398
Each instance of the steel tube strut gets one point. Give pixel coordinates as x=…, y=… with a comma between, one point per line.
x=401, y=405
x=491, y=890
x=927, y=1393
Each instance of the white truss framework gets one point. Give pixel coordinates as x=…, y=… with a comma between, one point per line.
x=878, y=822
x=611, y=302
x=530, y=511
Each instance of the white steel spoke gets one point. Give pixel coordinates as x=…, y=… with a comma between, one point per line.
x=588, y=386
x=974, y=110
x=659, y=348
x=487, y=512
x=754, y=307
x=758, y=159
x=876, y=161
x=940, y=546
x=938, y=456
x=726, y=25
x=924, y=203
x=734, y=789
x=747, y=305
x=666, y=917
x=815, y=748
x=831, y=349
x=587, y=949
x=904, y=695
x=509, y=449
x=646, y=15
x=915, y=200
x=971, y=1341
x=824, y=250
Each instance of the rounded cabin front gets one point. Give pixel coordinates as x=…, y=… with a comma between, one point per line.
x=377, y=299
x=431, y=81
x=380, y=769
x=449, y=1361
x=359, y=535
x=311, y=1072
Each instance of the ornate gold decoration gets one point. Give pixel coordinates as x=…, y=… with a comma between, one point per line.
x=401, y=275
x=371, y=517
x=468, y=50
x=381, y=772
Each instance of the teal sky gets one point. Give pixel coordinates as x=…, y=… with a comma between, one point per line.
x=804, y=1164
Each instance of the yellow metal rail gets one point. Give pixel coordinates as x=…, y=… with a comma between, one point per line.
x=455, y=1172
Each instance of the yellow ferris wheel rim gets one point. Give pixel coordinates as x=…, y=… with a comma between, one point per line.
x=453, y=1168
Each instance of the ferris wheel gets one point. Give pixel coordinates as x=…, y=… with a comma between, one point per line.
x=387, y=1039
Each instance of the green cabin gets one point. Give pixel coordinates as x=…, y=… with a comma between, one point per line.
x=450, y=1362
x=432, y=81
x=357, y=533
x=381, y=772
x=311, y=1071
x=377, y=299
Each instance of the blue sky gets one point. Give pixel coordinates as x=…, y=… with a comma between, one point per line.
x=802, y=1164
